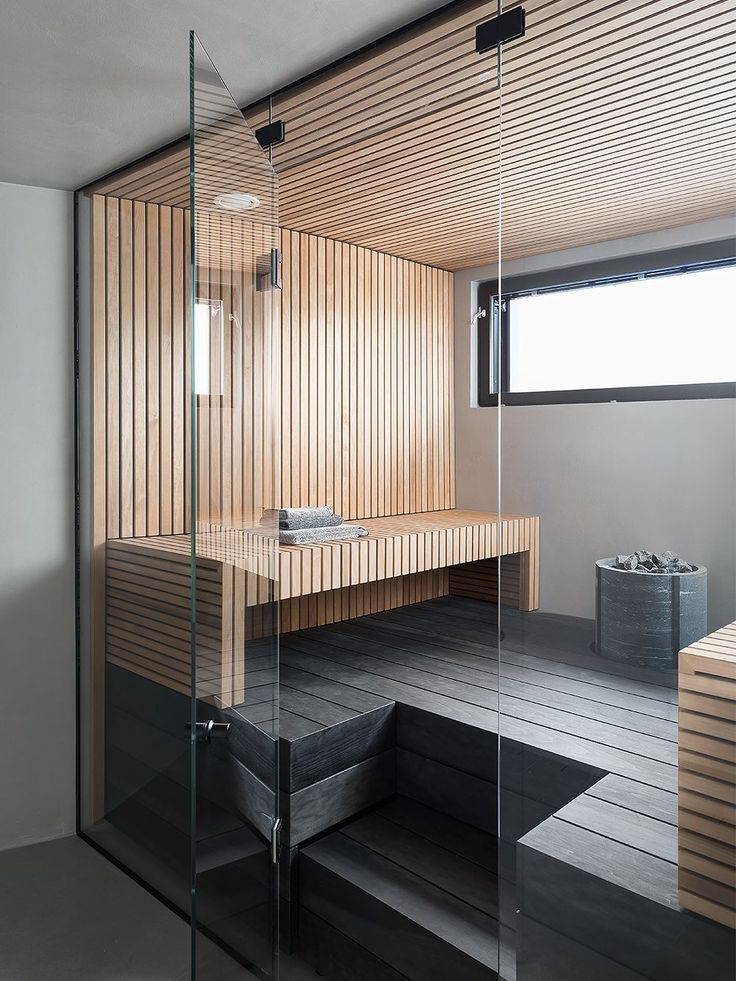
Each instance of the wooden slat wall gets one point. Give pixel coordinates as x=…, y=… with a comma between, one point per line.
x=707, y=777
x=237, y=423
x=367, y=364
x=357, y=601
x=142, y=385
x=366, y=358
x=479, y=580
x=140, y=377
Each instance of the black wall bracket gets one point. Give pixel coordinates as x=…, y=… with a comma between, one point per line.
x=506, y=27
x=268, y=271
x=271, y=135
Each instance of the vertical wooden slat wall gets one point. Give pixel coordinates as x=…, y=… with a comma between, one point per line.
x=366, y=359
x=140, y=323
x=368, y=406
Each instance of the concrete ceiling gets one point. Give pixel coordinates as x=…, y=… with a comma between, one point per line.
x=88, y=85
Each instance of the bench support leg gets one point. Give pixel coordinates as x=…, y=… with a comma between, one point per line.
x=529, y=572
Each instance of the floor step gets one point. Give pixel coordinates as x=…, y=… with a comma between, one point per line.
x=409, y=888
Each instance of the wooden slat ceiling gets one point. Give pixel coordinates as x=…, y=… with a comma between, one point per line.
x=612, y=119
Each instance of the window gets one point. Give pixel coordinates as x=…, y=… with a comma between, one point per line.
x=647, y=327
x=209, y=348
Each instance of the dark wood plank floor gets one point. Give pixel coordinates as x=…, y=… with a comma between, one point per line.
x=432, y=878
x=551, y=693
x=433, y=656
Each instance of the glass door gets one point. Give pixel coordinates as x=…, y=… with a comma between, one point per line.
x=233, y=473
x=617, y=765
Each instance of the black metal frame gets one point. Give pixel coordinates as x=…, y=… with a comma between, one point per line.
x=496, y=321
x=507, y=26
x=272, y=134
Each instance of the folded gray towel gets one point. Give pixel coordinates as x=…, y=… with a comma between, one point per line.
x=271, y=516
x=310, y=536
x=288, y=514
x=310, y=521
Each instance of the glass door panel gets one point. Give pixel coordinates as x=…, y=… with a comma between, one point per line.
x=618, y=445
x=233, y=473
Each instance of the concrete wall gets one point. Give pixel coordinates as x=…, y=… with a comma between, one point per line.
x=604, y=478
x=37, y=689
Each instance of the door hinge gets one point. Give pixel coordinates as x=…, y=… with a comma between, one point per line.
x=506, y=27
x=272, y=134
x=276, y=841
x=268, y=271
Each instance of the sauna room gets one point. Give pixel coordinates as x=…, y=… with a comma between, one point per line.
x=407, y=494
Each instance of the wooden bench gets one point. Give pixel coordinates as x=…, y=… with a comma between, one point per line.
x=707, y=777
x=410, y=543
x=148, y=585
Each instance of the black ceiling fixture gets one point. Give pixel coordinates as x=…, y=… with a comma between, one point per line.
x=272, y=134
x=506, y=27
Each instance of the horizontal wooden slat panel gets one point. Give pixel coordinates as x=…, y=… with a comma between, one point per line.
x=479, y=580
x=707, y=776
x=718, y=728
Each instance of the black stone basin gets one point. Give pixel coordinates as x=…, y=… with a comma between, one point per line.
x=646, y=619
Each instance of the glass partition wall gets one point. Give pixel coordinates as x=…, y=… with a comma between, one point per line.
x=612, y=376
x=179, y=431
x=234, y=473
x=494, y=333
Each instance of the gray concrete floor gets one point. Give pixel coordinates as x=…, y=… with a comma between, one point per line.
x=67, y=914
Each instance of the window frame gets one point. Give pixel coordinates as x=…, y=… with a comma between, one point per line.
x=707, y=255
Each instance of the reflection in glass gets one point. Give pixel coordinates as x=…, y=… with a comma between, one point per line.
x=234, y=476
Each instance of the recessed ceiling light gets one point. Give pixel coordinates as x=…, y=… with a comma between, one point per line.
x=237, y=201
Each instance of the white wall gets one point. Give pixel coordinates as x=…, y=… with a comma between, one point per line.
x=604, y=478
x=37, y=690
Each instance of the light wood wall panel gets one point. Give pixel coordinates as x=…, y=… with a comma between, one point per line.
x=237, y=421
x=140, y=382
x=707, y=777
x=367, y=408
x=357, y=601
x=367, y=363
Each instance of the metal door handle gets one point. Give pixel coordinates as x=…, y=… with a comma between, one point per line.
x=209, y=730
